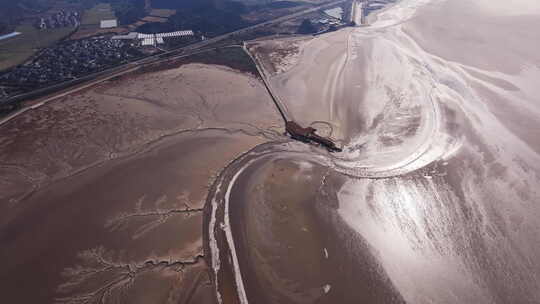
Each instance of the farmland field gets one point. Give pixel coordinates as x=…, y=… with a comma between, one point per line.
x=18, y=49
x=93, y=16
x=90, y=23
x=154, y=19
x=165, y=13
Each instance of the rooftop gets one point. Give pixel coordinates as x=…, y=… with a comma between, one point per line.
x=108, y=23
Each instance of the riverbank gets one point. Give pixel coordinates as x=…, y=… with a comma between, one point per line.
x=437, y=180
x=123, y=167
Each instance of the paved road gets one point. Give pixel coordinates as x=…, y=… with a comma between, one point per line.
x=210, y=41
x=267, y=23
x=156, y=58
x=281, y=106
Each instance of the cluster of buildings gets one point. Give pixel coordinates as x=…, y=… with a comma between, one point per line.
x=153, y=39
x=77, y=58
x=66, y=61
x=70, y=60
x=328, y=21
x=60, y=19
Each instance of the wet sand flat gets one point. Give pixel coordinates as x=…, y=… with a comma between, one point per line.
x=434, y=198
x=321, y=66
x=438, y=178
x=103, y=191
x=126, y=212
x=293, y=247
x=119, y=117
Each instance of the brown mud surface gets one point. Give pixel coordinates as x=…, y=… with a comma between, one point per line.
x=293, y=247
x=177, y=186
x=102, y=191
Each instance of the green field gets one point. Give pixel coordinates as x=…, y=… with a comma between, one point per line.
x=17, y=50
x=165, y=13
x=93, y=16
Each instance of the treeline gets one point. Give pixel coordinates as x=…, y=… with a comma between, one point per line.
x=185, y=4
x=126, y=11
x=211, y=17
x=4, y=28
x=278, y=4
x=307, y=27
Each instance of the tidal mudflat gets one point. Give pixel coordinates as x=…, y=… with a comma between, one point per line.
x=178, y=185
x=435, y=195
x=102, y=191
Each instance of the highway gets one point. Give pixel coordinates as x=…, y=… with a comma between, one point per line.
x=267, y=23
x=132, y=66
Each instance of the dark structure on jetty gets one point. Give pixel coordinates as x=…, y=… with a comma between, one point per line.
x=308, y=135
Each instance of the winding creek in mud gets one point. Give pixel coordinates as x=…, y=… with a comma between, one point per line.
x=434, y=198
x=178, y=185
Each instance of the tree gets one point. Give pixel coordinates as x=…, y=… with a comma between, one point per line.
x=307, y=27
